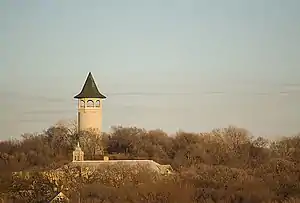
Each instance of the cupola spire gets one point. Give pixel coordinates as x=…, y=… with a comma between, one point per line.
x=89, y=89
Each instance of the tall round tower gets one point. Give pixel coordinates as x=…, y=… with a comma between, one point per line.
x=90, y=106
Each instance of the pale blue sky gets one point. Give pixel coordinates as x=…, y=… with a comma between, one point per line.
x=194, y=64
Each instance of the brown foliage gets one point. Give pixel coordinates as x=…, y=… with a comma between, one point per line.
x=225, y=165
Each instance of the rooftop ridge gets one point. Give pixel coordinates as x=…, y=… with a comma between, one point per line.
x=127, y=160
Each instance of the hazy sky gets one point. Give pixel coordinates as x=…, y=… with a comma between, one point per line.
x=193, y=65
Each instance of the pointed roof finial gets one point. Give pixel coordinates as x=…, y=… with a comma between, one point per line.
x=78, y=144
x=90, y=89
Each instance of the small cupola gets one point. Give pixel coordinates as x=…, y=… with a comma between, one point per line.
x=78, y=154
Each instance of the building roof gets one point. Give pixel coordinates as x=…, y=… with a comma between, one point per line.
x=90, y=89
x=60, y=197
x=150, y=164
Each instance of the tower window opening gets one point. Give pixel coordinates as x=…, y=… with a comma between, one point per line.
x=90, y=103
x=97, y=104
x=82, y=103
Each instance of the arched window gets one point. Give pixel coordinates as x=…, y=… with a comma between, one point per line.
x=90, y=103
x=82, y=103
x=97, y=104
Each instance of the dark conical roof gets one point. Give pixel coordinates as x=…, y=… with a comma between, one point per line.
x=90, y=89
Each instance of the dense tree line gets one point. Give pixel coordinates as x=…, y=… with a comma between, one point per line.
x=225, y=165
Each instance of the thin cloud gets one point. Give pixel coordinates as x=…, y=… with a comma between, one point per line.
x=34, y=120
x=291, y=84
x=22, y=96
x=47, y=112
